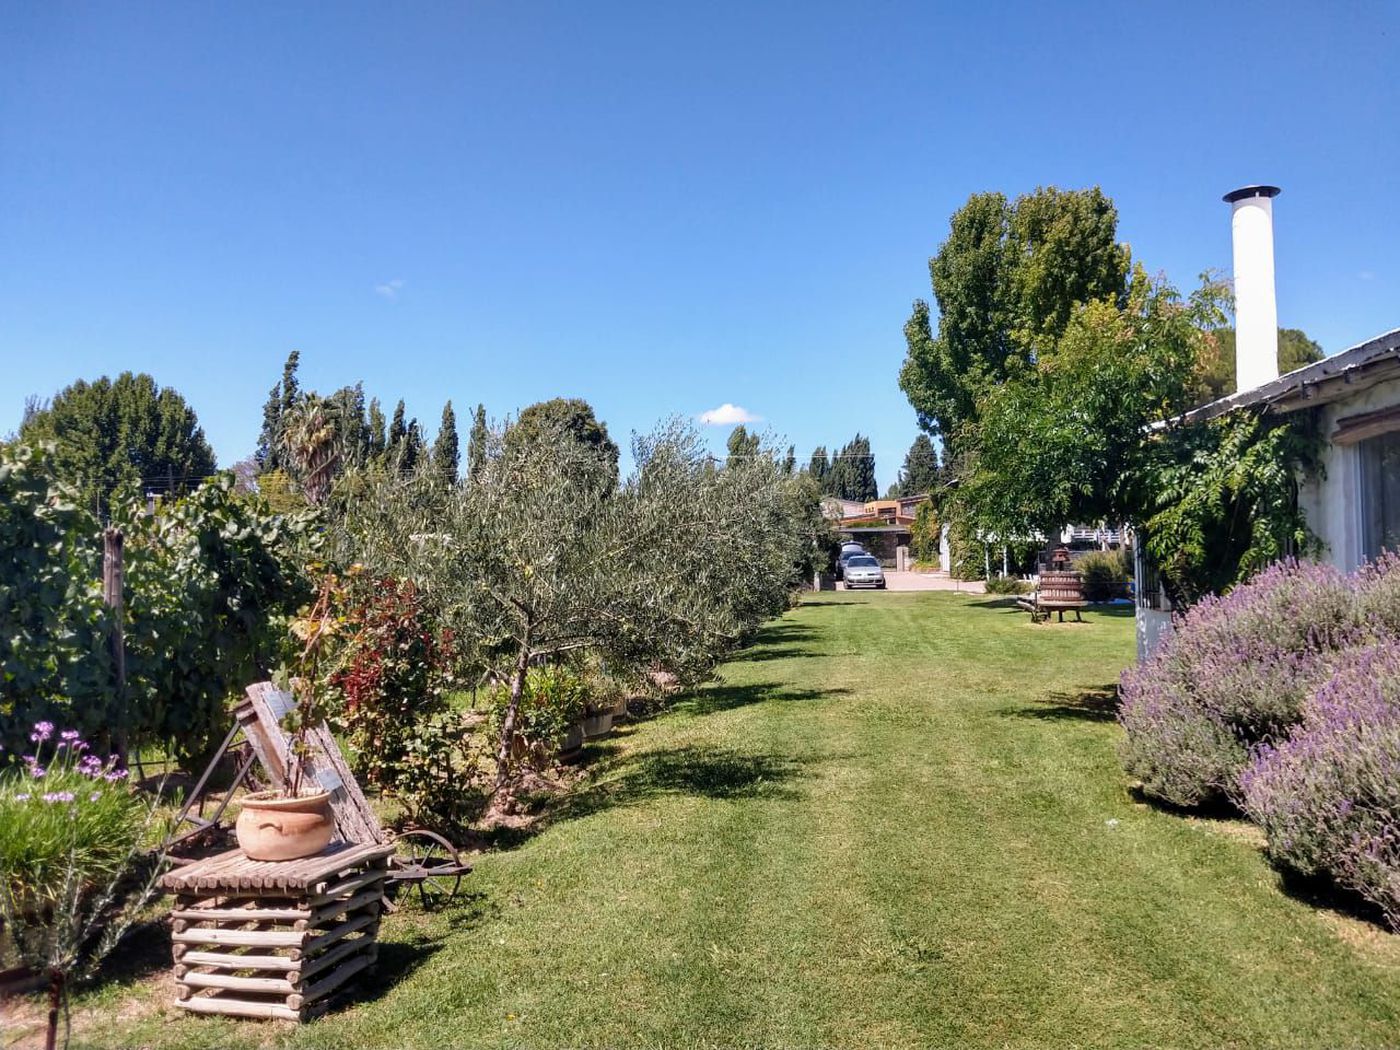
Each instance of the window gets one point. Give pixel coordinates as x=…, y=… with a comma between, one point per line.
x=1380, y=494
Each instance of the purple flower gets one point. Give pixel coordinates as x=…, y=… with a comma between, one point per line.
x=115, y=775
x=69, y=735
x=22, y=798
x=59, y=796
x=42, y=731
x=94, y=796
x=37, y=771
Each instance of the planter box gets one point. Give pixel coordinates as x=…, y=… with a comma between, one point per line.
x=597, y=725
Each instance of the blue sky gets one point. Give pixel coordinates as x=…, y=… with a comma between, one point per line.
x=661, y=208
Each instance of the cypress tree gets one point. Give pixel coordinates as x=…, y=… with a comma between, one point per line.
x=446, y=457
x=819, y=467
x=476, y=444
x=281, y=399
x=377, y=439
x=920, y=471
x=398, y=430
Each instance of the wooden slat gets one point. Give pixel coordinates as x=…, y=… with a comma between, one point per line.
x=261, y=985
x=239, y=1008
x=328, y=938
x=333, y=980
x=243, y=938
x=233, y=872
x=231, y=961
x=354, y=819
x=240, y=914
x=349, y=885
x=311, y=967
x=374, y=895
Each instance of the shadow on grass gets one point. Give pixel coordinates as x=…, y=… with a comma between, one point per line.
x=1094, y=704
x=704, y=771
x=712, y=699
x=820, y=603
x=701, y=771
x=404, y=950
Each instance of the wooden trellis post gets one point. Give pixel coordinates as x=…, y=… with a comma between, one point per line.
x=113, y=582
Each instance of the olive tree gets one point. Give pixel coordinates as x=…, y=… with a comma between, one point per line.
x=542, y=555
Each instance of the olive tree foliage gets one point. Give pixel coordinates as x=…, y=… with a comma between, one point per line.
x=542, y=554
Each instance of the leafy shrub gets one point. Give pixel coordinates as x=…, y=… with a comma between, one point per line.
x=53, y=625
x=925, y=534
x=1103, y=575
x=73, y=845
x=1234, y=673
x=209, y=579
x=393, y=673
x=67, y=801
x=1328, y=798
x=1007, y=585
x=554, y=698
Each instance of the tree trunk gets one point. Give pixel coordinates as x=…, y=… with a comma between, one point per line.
x=517, y=688
x=55, y=1004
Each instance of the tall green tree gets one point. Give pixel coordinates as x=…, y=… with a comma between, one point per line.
x=121, y=438
x=281, y=399
x=476, y=443
x=853, y=473
x=920, y=471
x=412, y=450
x=446, y=457
x=378, y=439
x=572, y=416
x=741, y=444
x=351, y=424
x=1217, y=378
x=819, y=468
x=1006, y=281
x=1068, y=439
x=398, y=430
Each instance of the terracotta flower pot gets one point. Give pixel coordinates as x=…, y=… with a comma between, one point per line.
x=274, y=827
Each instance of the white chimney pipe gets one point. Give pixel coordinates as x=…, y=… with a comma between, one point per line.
x=1256, y=306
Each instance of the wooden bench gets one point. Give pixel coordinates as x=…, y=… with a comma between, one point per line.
x=275, y=939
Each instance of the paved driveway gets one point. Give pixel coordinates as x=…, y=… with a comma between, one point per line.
x=920, y=581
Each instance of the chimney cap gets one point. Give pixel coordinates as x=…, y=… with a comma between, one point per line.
x=1245, y=192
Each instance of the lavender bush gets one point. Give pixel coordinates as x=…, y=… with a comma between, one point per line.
x=1328, y=798
x=1235, y=673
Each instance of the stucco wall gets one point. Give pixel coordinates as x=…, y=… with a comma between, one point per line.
x=1332, y=501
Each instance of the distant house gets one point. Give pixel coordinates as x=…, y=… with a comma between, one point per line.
x=1353, y=503
x=837, y=509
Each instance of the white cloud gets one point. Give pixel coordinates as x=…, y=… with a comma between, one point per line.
x=728, y=415
x=390, y=289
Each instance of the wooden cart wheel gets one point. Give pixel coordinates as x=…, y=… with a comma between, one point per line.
x=428, y=862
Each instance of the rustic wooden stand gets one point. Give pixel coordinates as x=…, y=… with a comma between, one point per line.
x=275, y=939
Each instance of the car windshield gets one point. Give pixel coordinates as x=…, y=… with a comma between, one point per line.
x=863, y=562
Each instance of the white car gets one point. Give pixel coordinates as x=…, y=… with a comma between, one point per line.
x=864, y=571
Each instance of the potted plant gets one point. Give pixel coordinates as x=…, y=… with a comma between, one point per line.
x=295, y=820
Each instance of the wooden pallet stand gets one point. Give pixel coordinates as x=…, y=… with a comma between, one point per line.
x=275, y=939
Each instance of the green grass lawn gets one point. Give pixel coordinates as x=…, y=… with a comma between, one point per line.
x=897, y=821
